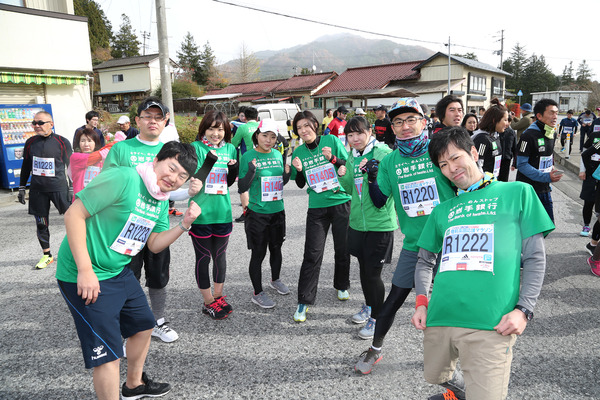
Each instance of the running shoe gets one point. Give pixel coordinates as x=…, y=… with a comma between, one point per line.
x=300, y=314
x=148, y=389
x=162, y=331
x=367, y=360
x=449, y=395
x=44, y=262
x=241, y=218
x=585, y=231
x=262, y=300
x=343, y=295
x=590, y=248
x=214, y=310
x=175, y=212
x=279, y=286
x=562, y=150
x=363, y=315
x=594, y=266
x=224, y=305
x=368, y=331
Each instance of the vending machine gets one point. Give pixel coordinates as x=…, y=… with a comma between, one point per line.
x=15, y=129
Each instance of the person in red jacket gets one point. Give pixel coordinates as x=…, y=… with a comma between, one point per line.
x=336, y=127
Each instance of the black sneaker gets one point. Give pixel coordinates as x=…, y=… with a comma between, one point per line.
x=214, y=310
x=148, y=389
x=224, y=305
x=241, y=218
x=590, y=249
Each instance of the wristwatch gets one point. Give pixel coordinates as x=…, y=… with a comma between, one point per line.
x=183, y=228
x=528, y=314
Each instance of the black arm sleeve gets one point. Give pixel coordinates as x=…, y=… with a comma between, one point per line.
x=204, y=170
x=300, y=180
x=339, y=162
x=377, y=197
x=26, y=167
x=245, y=182
x=232, y=173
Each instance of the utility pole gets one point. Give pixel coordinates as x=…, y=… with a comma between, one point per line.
x=145, y=35
x=449, y=62
x=501, y=51
x=163, y=55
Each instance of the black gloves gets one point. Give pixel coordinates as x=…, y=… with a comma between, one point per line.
x=371, y=168
x=21, y=195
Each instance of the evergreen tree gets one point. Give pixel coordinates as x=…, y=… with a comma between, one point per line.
x=470, y=56
x=100, y=29
x=584, y=75
x=189, y=59
x=125, y=43
x=207, y=62
x=566, y=79
x=515, y=65
x=537, y=77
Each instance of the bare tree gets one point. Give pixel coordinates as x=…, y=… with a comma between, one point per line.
x=247, y=66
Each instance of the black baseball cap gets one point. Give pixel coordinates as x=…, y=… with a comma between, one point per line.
x=380, y=107
x=342, y=109
x=152, y=102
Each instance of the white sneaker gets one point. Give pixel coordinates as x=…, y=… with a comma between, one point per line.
x=163, y=332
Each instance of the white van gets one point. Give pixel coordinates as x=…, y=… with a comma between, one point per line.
x=280, y=112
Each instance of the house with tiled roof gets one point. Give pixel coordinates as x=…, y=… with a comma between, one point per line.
x=124, y=81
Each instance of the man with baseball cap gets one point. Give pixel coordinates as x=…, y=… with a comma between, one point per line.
x=383, y=127
x=360, y=112
x=152, y=119
x=417, y=186
x=125, y=126
x=336, y=127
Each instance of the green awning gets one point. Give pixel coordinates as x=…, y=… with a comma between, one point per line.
x=38, y=79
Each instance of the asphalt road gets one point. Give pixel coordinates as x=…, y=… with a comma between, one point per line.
x=258, y=353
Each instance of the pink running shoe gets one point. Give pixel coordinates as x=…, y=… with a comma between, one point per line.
x=594, y=266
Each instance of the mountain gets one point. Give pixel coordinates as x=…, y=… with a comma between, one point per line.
x=330, y=53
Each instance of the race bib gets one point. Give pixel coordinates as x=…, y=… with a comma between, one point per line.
x=596, y=128
x=497, y=162
x=546, y=163
x=271, y=188
x=358, y=183
x=216, y=181
x=90, y=173
x=567, y=129
x=134, y=235
x=419, y=198
x=43, y=166
x=468, y=248
x=343, y=139
x=595, y=157
x=322, y=178
x=587, y=120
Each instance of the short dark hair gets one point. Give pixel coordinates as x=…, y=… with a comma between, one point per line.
x=242, y=109
x=356, y=124
x=251, y=113
x=481, y=108
x=492, y=116
x=570, y=112
x=91, y=114
x=456, y=135
x=305, y=115
x=183, y=152
x=212, y=118
x=92, y=134
x=440, y=107
x=541, y=106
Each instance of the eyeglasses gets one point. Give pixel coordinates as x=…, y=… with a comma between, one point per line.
x=409, y=121
x=40, y=123
x=157, y=118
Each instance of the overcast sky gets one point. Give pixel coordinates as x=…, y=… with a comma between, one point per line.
x=559, y=33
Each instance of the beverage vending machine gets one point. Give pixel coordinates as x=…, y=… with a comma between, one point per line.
x=15, y=129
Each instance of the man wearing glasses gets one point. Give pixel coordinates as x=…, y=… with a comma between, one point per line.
x=46, y=156
x=417, y=186
x=151, y=120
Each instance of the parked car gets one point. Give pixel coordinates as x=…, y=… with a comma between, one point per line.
x=280, y=112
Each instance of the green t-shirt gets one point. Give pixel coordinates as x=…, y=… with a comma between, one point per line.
x=480, y=234
x=364, y=216
x=417, y=186
x=266, y=189
x=131, y=153
x=321, y=176
x=214, y=199
x=122, y=216
x=245, y=132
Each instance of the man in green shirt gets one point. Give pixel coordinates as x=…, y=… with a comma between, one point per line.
x=120, y=212
x=479, y=303
x=243, y=140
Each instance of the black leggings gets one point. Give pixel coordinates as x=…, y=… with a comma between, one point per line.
x=588, y=209
x=214, y=247
x=43, y=233
x=392, y=304
x=256, y=259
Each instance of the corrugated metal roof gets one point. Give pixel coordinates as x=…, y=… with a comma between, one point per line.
x=121, y=62
x=304, y=82
x=465, y=61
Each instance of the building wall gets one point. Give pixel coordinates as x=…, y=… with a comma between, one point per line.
x=574, y=100
x=136, y=78
x=437, y=70
x=62, y=6
x=69, y=105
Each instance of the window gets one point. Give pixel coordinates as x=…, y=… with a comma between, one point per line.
x=279, y=115
x=497, y=87
x=476, y=84
x=117, y=78
x=318, y=103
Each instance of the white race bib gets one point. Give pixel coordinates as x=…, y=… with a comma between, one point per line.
x=596, y=128
x=322, y=178
x=134, y=235
x=271, y=188
x=358, y=184
x=497, y=162
x=595, y=157
x=43, y=166
x=546, y=163
x=216, y=181
x=419, y=198
x=90, y=173
x=587, y=120
x=468, y=248
x=567, y=129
